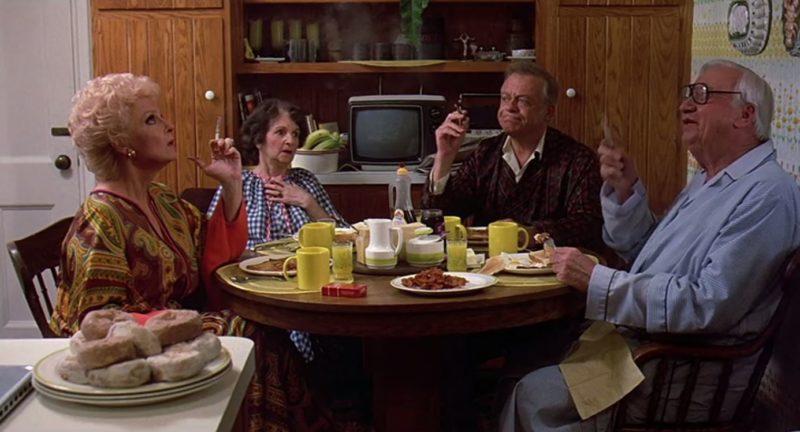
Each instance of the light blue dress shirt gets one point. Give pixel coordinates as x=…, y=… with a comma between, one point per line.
x=705, y=267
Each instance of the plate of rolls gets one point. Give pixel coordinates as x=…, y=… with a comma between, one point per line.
x=116, y=361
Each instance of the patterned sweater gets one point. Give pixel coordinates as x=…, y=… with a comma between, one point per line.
x=558, y=194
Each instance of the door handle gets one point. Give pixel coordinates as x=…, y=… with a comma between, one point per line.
x=63, y=162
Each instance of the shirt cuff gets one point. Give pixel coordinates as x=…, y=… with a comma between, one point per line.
x=437, y=187
x=609, y=200
x=598, y=292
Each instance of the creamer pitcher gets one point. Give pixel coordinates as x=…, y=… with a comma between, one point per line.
x=380, y=253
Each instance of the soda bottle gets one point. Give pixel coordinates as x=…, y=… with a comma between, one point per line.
x=400, y=195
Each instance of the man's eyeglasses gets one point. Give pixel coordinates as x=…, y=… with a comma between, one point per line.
x=699, y=92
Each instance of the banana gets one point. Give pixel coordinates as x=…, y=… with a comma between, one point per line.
x=330, y=143
x=316, y=137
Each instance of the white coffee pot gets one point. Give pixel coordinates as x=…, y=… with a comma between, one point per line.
x=380, y=253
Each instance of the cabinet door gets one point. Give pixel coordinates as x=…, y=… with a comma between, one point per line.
x=626, y=63
x=184, y=53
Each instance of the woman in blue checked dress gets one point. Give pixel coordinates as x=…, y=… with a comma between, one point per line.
x=279, y=200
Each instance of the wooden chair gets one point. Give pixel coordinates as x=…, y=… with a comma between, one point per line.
x=200, y=197
x=681, y=348
x=33, y=257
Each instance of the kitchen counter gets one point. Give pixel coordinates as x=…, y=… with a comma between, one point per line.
x=366, y=178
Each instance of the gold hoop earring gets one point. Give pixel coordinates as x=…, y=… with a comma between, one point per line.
x=131, y=153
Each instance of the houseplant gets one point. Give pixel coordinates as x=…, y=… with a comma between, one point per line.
x=411, y=20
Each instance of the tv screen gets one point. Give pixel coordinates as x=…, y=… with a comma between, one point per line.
x=388, y=134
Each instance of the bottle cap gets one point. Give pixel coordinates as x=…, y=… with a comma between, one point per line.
x=402, y=170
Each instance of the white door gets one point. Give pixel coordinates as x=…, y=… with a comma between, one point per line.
x=44, y=58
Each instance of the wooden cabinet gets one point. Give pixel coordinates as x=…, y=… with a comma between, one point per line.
x=358, y=202
x=626, y=60
x=182, y=45
x=323, y=87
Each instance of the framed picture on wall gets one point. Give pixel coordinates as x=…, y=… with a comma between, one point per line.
x=748, y=25
x=791, y=26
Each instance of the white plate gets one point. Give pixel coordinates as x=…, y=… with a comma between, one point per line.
x=258, y=260
x=130, y=400
x=523, y=258
x=475, y=282
x=277, y=249
x=521, y=58
x=44, y=373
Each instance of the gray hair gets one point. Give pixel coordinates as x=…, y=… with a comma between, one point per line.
x=550, y=88
x=755, y=91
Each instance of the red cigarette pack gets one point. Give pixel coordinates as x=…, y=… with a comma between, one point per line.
x=345, y=290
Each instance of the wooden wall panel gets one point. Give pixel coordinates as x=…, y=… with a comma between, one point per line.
x=667, y=156
x=625, y=61
x=571, y=74
x=209, y=74
x=184, y=52
x=594, y=87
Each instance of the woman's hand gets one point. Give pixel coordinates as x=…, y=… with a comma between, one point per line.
x=226, y=168
x=289, y=193
x=226, y=163
x=572, y=267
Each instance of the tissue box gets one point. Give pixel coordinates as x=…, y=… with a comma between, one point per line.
x=344, y=290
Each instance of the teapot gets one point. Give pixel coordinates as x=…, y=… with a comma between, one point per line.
x=380, y=254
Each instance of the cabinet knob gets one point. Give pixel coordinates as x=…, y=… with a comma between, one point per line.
x=63, y=162
x=571, y=93
x=210, y=95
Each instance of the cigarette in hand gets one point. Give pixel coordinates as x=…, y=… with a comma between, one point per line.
x=218, y=129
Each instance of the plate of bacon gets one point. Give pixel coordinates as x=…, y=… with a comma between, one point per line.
x=438, y=283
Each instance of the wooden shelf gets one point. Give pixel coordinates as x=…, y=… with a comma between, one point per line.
x=452, y=66
x=375, y=1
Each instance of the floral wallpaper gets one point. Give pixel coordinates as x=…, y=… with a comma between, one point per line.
x=782, y=71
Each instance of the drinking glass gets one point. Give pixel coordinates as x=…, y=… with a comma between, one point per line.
x=433, y=219
x=457, y=255
x=256, y=35
x=343, y=261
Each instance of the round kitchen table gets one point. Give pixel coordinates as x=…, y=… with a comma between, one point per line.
x=406, y=337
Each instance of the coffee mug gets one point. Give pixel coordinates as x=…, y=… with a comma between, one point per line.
x=313, y=267
x=503, y=237
x=316, y=234
x=454, y=229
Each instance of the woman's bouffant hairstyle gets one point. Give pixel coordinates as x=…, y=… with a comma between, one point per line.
x=254, y=130
x=101, y=115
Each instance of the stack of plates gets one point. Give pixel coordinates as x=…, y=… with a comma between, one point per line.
x=47, y=382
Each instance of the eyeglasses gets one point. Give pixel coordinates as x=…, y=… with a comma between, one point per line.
x=699, y=92
x=522, y=101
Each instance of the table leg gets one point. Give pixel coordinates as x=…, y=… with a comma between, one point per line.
x=417, y=383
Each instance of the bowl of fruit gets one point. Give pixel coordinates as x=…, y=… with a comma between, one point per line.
x=320, y=152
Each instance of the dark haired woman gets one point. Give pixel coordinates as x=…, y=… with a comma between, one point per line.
x=279, y=198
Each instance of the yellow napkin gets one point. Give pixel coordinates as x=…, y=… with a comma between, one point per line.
x=258, y=284
x=601, y=371
x=394, y=63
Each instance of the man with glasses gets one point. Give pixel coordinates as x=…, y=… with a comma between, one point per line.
x=708, y=267
x=531, y=173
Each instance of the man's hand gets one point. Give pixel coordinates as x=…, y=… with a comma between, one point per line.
x=572, y=267
x=449, y=137
x=617, y=169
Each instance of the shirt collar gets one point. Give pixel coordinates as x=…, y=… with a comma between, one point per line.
x=509, y=151
x=748, y=161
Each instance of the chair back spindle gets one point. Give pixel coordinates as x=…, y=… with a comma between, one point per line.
x=34, y=257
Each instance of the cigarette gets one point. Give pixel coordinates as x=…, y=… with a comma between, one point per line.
x=218, y=129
